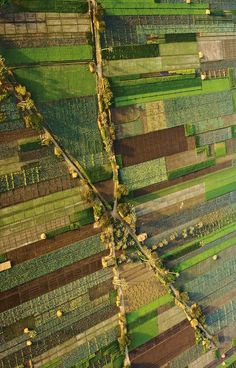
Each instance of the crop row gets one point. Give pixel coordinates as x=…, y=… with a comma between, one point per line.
x=55, y=297
x=50, y=262
x=144, y=174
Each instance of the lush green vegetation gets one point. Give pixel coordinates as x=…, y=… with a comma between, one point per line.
x=184, y=48
x=143, y=332
x=142, y=323
x=220, y=149
x=169, y=91
x=130, y=52
x=48, y=83
x=46, y=54
x=64, y=6
x=3, y=258
x=144, y=174
x=99, y=173
x=30, y=146
x=134, y=316
x=189, y=169
x=204, y=255
x=180, y=37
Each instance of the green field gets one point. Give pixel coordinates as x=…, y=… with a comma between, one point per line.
x=194, y=88
x=48, y=83
x=144, y=174
x=133, y=316
x=222, y=181
x=220, y=149
x=64, y=6
x=177, y=252
x=48, y=54
x=204, y=255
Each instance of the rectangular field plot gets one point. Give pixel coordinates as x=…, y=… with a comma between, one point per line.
x=150, y=146
x=144, y=174
x=66, y=6
x=48, y=54
x=49, y=83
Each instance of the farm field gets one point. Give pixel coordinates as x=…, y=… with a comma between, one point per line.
x=117, y=184
x=48, y=54
x=56, y=82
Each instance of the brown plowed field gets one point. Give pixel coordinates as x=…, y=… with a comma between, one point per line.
x=36, y=190
x=33, y=289
x=9, y=136
x=150, y=146
x=42, y=247
x=158, y=186
x=164, y=348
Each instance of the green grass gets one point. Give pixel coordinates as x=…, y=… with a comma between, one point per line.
x=171, y=11
x=64, y=6
x=143, y=333
x=99, y=173
x=3, y=258
x=57, y=82
x=46, y=54
x=230, y=361
x=208, y=86
x=178, y=48
x=39, y=205
x=131, y=52
x=52, y=364
x=220, y=149
x=233, y=130
x=83, y=217
x=133, y=316
x=205, y=255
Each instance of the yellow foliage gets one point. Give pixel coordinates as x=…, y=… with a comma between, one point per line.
x=21, y=90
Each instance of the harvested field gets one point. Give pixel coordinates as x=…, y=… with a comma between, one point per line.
x=150, y=146
x=164, y=348
x=51, y=281
x=24, y=30
x=139, y=278
x=155, y=187
x=42, y=247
